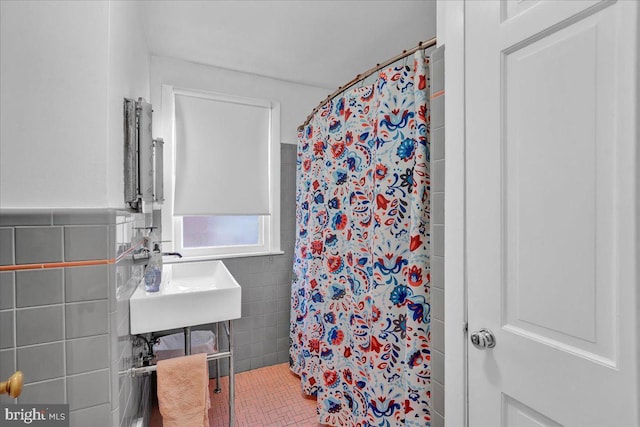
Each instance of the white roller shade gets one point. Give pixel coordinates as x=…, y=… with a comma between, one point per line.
x=222, y=156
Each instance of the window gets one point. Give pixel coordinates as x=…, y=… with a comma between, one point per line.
x=223, y=174
x=210, y=231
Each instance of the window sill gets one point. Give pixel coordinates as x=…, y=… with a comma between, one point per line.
x=218, y=257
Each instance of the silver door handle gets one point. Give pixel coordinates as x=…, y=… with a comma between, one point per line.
x=483, y=338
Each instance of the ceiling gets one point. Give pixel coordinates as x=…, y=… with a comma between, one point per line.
x=319, y=43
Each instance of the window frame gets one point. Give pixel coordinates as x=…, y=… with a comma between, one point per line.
x=172, y=227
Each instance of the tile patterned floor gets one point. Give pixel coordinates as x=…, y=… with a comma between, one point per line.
x=266, y=397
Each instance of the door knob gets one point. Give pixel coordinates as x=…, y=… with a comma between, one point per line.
x=483, y=338
x=12, y=386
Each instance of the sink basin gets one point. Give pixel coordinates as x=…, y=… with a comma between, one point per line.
x=191, y=293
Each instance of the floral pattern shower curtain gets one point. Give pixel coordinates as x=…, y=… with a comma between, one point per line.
x=360, y=317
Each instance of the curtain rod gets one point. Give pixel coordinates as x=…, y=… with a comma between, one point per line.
x=360, y=77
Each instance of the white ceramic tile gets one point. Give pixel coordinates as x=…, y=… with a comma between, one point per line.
x=437, y=397
x=437, y=366
x=6, y=246
x=437, y=144
x=39, y=287
x=437, y=335
x=437, y=176
x=437, y=208
x=437, y=240
x=86, y=390
x=38, y=244
x=7, y=289
x=437, y=272
x=437, y=303
x=39, y=325
x=41, y=362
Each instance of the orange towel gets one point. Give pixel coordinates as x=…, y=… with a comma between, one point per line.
x=183, y=391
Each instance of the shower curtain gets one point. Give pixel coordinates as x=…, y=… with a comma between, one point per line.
x=360, y=316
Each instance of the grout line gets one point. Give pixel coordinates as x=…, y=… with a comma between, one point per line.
x=87, y=337
x=40, y=344
x=15, y=313
x=36, y=307
x=89, y=372
x=126, y=405
x=64, y=331
x=92, y=406
x=48, y=380
x=15, y=289
x=86, y=301
x=111, y=370
x=15, y=340
x=15, y=245
x=62, y=249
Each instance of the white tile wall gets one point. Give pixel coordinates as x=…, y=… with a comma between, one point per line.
x=437, y=237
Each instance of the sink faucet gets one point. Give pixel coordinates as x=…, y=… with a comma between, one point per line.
x=178, y=254
x=141, y=254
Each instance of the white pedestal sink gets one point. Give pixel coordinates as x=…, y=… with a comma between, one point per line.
x=191, y=293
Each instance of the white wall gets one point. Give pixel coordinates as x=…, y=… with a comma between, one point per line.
x=451, y=34
x=64, y=69
x=53, y=111
x=296, y=100
x=128, y=78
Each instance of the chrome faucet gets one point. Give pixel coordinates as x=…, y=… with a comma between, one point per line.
x=141, y=254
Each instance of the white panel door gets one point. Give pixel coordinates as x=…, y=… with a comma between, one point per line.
x=552, y=163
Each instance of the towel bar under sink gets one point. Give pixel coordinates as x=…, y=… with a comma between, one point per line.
x=146, y=370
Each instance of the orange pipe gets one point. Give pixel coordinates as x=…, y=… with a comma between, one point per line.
x=64, y=264
x=57, y=264
x=437, y=94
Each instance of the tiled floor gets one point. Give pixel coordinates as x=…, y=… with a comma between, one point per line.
x=268, y=396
